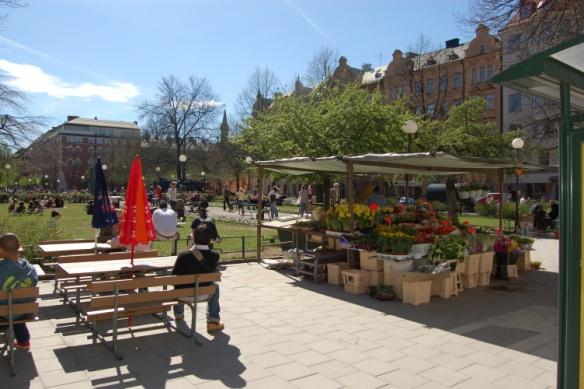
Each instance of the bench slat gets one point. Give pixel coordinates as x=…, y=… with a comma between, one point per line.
x=145, y=282
x=20, y=309
x=66, y=241
x=18, y=293
x=103, y=257
x=145, y=297
x=123, y=312
x=39, y=270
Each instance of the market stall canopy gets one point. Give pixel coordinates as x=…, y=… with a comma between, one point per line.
x=429, y=163
x=541, y=74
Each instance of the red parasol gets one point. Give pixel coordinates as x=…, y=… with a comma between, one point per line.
x=136, y=226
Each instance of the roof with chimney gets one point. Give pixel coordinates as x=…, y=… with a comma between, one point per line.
x=374, y=75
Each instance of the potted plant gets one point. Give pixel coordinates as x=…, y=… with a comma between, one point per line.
x=535, y=265
x=448, y=248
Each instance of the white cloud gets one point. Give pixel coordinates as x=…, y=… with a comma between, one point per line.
x=308, y=20
x=31, y=78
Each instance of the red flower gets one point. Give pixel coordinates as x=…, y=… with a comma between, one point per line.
x=374, y=207
x=466, y=223
x=471, y=230
x=388, y=219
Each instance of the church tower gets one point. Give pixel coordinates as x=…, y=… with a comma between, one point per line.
x=224, y=129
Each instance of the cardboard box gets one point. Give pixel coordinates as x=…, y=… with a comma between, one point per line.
x=375, y=278
x=356, y=281
x=334, y=270
x=367, y=262
x=416, y=292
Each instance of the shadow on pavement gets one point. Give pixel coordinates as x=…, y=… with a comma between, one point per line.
x=488, y=313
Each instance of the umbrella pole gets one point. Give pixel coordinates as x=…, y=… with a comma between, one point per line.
x=132, y=254
x=95, y=240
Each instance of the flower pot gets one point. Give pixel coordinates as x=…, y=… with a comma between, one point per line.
x=472, y=194
x=420, y=249
x=464, y=195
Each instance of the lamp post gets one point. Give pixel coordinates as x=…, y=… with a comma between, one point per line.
x=58, y=184
x=47, y=181
x=7, y=167
x=410, y=127
x=29, y=183
x=517, y=145
x=82, y=179
x=104, y=166
x=203, y=176
x=182, y=158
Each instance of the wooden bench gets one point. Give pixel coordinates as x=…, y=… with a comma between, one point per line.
x=131, y=297
x=66, y=284
x=66, y=241
x=17, y=311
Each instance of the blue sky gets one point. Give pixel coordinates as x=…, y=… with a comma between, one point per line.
x=103, y=57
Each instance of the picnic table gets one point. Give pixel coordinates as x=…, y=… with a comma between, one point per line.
x=75, y=269
x=57, y=249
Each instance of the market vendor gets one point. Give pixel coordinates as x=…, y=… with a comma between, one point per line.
x=376, y=198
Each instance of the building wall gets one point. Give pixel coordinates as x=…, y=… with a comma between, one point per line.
x=67, y=152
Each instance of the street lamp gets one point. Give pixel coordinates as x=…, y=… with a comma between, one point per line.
x=182, y=158
x=7, y=167
x=517, y=145
x=410, y=127
x=104, y=166
x=58, y=182
x=47, y=180
x=157, y=168
x=203, y=175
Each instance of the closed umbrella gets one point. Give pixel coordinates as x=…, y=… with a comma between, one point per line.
x=136, y=226
x=104, y=213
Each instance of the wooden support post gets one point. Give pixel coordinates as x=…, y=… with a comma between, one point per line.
x=260, y=212
x=350, y=202
x=501, y=175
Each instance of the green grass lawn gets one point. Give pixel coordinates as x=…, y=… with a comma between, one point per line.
x=76, y=224
x=484, y=221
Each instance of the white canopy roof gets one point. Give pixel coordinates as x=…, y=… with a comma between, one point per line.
x=430, y=163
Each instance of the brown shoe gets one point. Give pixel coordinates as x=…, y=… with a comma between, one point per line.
x=214, y=326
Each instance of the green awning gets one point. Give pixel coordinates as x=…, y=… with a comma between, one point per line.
x=541, y=74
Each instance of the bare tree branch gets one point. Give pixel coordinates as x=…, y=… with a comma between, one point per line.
x=321, y=66
x=262, y=81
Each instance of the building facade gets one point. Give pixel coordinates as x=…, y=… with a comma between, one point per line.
x=437, y=80
x=63, y=155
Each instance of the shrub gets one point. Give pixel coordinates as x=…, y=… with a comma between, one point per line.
x=489, y=209
x=4, y=197
x=492, y=209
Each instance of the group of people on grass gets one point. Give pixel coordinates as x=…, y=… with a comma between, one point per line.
x=35, y=205
x=200, y=258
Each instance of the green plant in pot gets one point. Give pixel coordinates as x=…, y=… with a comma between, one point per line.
x=448, y=248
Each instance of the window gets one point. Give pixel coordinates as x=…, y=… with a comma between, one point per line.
x=514, y=42
x=489, y=72
x=430, y=110
x=457, y=82
x=99, y=141
x=482, y=49
x=418, y=88
x=544, y=158
x=490, y=99
x=535, y=101
x=91, y=140
x=515, y=102
x=91, y=150
x=475, y=75
x=430, y=87
x=482, y=74
x=73, y=139
x=70, y=163
x=444, y=83
x=445, y=107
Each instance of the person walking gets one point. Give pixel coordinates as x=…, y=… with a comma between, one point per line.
x=171, y=195
x=303, y=198
x=273, y=199
x=226, y=195
x=240, y=196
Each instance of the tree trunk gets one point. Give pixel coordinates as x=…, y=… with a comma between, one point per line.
x=452, y=199
x=326, y=184
x=178, y=163
x=237, y=182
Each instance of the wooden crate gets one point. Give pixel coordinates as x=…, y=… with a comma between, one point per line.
x=524, y=261
x=444, y=287
x=356, y=281
x=375, y=278
x=334, y=270
x=485, y=278
x=416, y=292
x=486, y=262
x=471, y=264
x=396, y=279
x=367, y=262
x=470, y=281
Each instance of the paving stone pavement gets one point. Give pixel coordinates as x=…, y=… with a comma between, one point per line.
x=285, y=332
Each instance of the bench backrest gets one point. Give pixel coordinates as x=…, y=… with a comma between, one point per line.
x=20, y=308
x=105, y=257
x=121, y=285
x=66, y=241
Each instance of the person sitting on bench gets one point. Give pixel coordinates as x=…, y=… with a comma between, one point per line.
x=200, y=259
x=15, y=273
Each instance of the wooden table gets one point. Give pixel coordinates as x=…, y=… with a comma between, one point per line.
x=56, y=249
x=77, y=269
